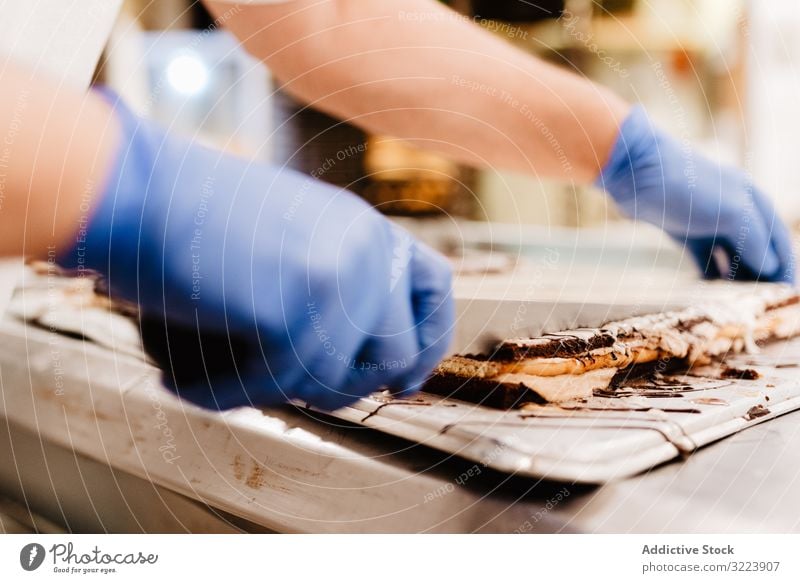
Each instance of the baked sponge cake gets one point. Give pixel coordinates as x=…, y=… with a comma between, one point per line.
x=572, y=365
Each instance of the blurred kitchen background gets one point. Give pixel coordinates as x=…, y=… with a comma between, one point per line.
x=719, y=73
x=722, y=74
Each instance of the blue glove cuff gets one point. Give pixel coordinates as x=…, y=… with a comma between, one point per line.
x=108, y=236
x=637, y=139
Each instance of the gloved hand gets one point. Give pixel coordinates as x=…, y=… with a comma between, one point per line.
x=258, y=284
x=703, y=205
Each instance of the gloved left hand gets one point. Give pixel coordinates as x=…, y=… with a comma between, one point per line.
x=257, y=284
x=708, y=207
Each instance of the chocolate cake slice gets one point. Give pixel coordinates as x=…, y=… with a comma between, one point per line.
x=572, y=365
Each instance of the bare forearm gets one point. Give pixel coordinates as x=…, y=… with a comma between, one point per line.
x=55, y=147
x=414, y=69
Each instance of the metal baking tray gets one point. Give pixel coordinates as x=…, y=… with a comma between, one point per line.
x=605, y=438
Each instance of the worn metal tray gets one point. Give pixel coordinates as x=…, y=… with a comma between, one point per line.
x=593, y=442
x=607, y=437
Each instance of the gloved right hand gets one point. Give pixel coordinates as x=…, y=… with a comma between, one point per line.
x=257, y=284
x=711, y=209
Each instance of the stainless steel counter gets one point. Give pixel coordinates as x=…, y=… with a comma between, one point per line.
x=747, y=483
x=95, y=443
x=114, y=451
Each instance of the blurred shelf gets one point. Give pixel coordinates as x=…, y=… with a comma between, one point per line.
x=623, y=33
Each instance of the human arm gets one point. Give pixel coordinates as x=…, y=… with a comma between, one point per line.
x=415, y=70
x=56, y=146
x=255, y=284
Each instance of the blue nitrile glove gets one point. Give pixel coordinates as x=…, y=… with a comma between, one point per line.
x=258, y=284
x=703, y=205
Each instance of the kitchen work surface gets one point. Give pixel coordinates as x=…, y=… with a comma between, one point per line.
x=290, y=469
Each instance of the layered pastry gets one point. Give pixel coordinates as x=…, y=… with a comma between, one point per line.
x=574, y=364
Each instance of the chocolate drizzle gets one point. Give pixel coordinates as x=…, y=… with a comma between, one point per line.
x=561, y=345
